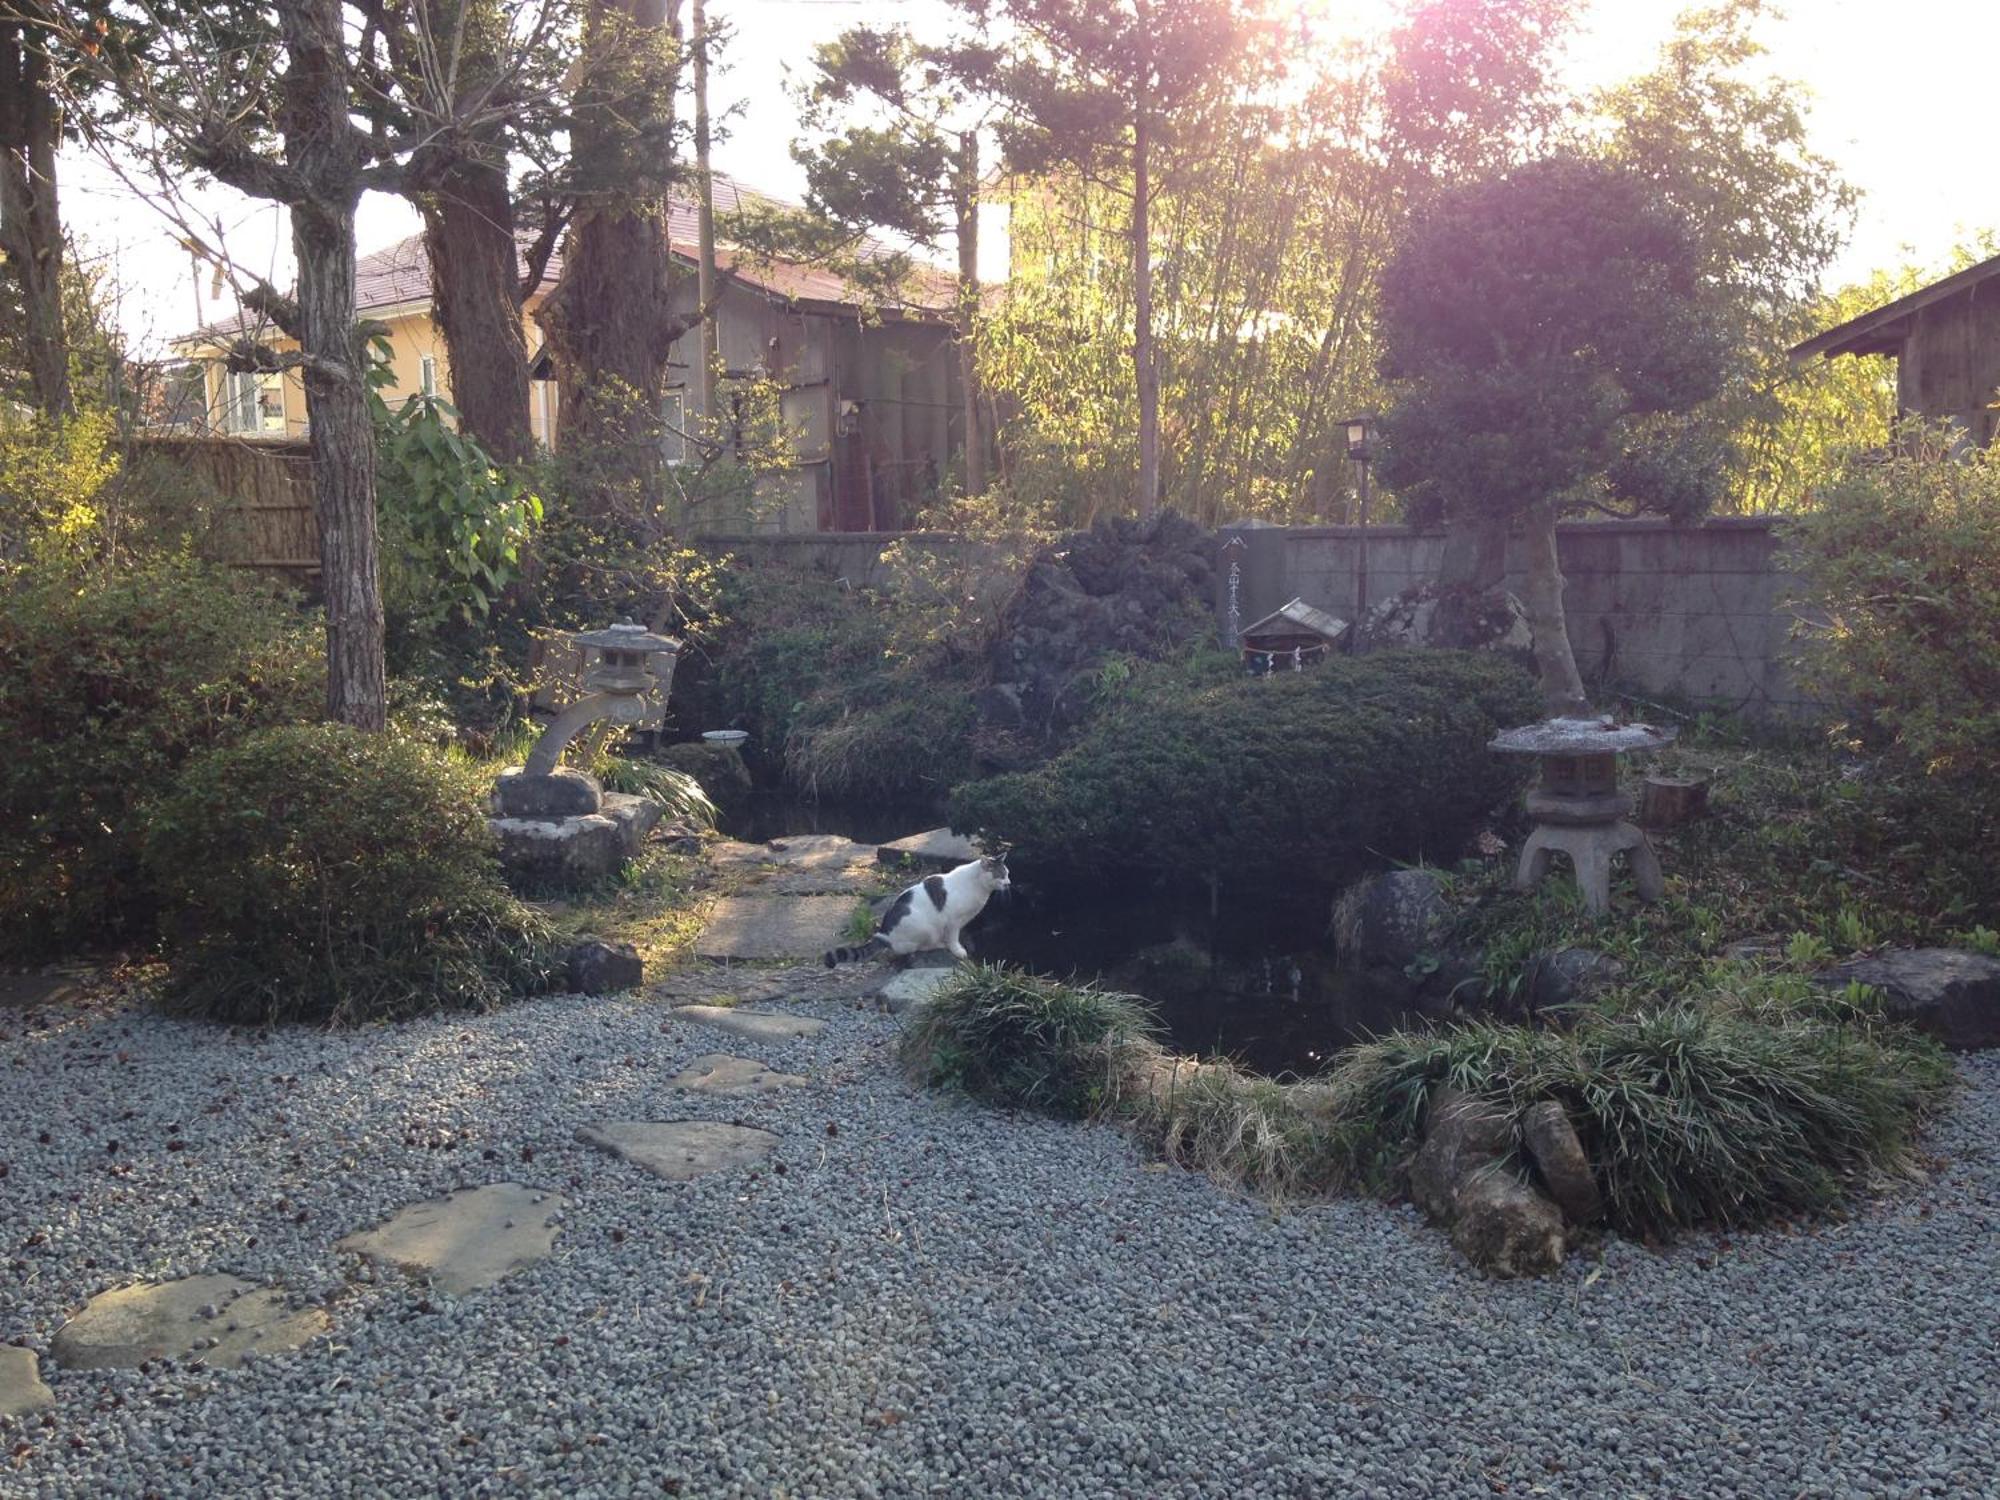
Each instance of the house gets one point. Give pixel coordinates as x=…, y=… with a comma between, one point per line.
x=1945, y=339
x=869, y=393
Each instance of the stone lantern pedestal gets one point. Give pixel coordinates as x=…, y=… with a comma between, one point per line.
x=558, y=828
x=1577, y=807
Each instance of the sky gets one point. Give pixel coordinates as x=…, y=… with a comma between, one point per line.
x=1902, y=96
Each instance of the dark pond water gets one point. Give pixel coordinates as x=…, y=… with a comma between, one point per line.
x=1256, y=981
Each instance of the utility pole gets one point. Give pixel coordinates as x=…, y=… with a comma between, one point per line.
x=705, y=220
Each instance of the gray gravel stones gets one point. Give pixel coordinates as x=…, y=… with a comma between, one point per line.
x=217, y=1319
x=732, y=1077
x=680, y=1150
x=932, y=1300
x=467, y=1240
x=21, y=1388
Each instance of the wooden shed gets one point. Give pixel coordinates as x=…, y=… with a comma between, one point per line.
x=1945, y=339
x=1291, y=637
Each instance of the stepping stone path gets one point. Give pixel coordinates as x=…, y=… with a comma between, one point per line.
x=751, y=1025
x=680, y=1150
x=468, y=1239
x=21, y=1388
x=800, y=928
x=219, y=1320
x=731, y=1077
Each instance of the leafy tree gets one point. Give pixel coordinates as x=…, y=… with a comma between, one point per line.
x=898, y=148
x=1104, y=90
x=1536, y=327
x=1726, y=145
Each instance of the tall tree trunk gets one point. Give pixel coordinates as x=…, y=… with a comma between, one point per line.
x=30, y=219
x=610, y=321
x=327, y=152
x=704, y=225
x=1144, y=355
x=476, y=289
x=965, y=206
x=1562, y=686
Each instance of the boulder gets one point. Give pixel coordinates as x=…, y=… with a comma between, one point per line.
x=1947, y=993
x=1457, y=618
x=1551, y=1142
x=1505, y=1227
x=538, y=854
x=562, y=793
x=1461, y=1180
x=1567, y=977
x=1462, y=1135
x=597, y=967
x=1390, y=918
x=939, y=849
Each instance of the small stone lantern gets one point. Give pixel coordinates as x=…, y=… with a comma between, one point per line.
x=1577, y=807
x=555, y=824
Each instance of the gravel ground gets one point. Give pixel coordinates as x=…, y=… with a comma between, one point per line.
x=918, y=1298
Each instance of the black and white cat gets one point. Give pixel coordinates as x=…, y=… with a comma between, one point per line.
x=932, y=913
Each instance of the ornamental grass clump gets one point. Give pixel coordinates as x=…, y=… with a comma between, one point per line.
x=317, y=872
x=1692, y=1116
x=1007, y=1037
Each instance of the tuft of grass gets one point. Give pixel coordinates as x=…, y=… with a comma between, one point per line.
x=1275, y=1139
x=860, y=923
x=1009, y=1037
x=678, y=794
x=1752, y=1106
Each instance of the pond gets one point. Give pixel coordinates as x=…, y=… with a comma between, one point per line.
x=1255, y=982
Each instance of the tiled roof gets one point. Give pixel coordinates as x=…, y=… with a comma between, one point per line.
x=401, y=275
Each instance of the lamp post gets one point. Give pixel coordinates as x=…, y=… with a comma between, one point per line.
x=1360, y=439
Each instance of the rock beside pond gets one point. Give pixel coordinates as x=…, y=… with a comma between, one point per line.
x=720, y=770
x=1391, y=918
x=1947, y=993
x=1461, y=1180
x=1568, y=977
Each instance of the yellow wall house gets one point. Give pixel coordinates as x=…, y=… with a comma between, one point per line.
x=869, y=392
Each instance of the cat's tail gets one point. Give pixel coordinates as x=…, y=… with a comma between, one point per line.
x=857, y=953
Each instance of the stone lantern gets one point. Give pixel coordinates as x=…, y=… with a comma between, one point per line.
x=1577, y=808
x=556, y=825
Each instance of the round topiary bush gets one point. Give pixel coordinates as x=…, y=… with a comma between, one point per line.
x=1202, y=773
x=317, y=872
x=108, y=683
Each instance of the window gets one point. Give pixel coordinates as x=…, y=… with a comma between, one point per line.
x=673, y=427
x=253, y=401
x=428, y=379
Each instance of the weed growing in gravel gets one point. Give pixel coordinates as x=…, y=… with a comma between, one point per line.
x=1014, y=1038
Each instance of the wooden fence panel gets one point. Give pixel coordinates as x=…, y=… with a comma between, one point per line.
x=265, y=519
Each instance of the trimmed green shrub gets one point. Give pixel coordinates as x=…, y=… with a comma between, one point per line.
x=108, y=683
x=317, y=872
x=1206, y=773
x=1714, y=1115
x=1009, y=1037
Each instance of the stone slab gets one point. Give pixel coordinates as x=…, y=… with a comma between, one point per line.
x=215, y=1319
x=751, y=1025
x=469, y=1239
x=818, y=851
x=912, y=987
x=936, y=849
x=731, y=1077
x=680, y=1150
x=865, y=878
x=763, y=927
x=21, y=1388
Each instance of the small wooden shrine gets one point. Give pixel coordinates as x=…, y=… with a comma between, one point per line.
x=1291, y=638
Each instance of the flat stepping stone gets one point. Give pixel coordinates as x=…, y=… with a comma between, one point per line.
x=217, y=1319
x=764, y=927
x=731, y=1077
x=819, y=851
x=21, y=1388
x=752, y=1025
x=468, y=1239
x=912, y=987
x=864, y=878
x=937, y=849
x=680, y=1150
